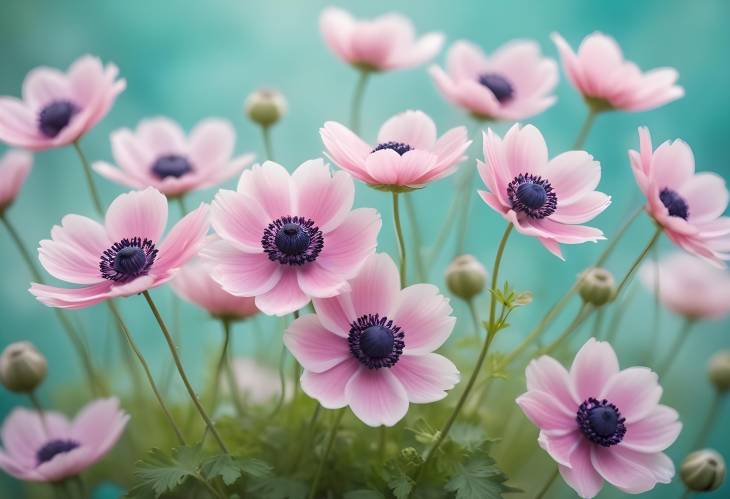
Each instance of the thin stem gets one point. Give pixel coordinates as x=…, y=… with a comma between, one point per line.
x=382, y=439
x=465, y=199
x=357, y=98
x=443, y=234
x=706, y=428
x=268, y=146
x=133, y=345
x=657, y=316
x=618, y=315
x=416, y=242
x=598, y=323
x=615, y=239
x=181, y=204
x=89, y=179
x=548, y=484
x=676, y=347
x=475, y=318
x=208, y=486
x=39, y=408
x=220, y=368
x=327, y=450
x=638, y=260
x=25, y=254
x=183, y=375
x=282, y=383
x=585, y=128
x=401, y=241
x=230, y=375
x=307, y=437
x=584, y=311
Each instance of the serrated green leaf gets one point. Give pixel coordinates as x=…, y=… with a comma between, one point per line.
x=401, y=485
x=159, y=473
x=223, y=466
x=254, y=467
x=363, y=494
x=478, y=478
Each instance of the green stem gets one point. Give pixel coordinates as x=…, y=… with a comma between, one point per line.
x=327, y=451
x=548, y=484
x=230, y=375
x=465, y=192
x=89, y=179
x=585, y=128
x=357, y=98
x=618, y=315
x=416, y=242
x=282, y=383
x=208, y=486
x=134, y=376
x=268, y=146
x=619, y=234
x=382, y=439
x=638, y=260
x=475, y=318
x=133, y=345
x=706, y=428
x=584, y=311
x=183, y=375
x=676, y=347
x=443, y=234
x=220, y=368
x=598, y=324
x=657, y=316
x=39, y=409
x=181, y=204
x=401, y=241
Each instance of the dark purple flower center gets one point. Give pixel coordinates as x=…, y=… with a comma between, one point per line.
x=171, y=165
x=375, y=341
x=674, y=203
x=292, y=240
x=398, y=147
x=55, y=117
x=498, y=85
x=532, y=195
x=601, y=422
x=128, y=259
x=54, y=448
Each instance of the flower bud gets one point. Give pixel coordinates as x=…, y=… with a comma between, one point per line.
x=718, y=370
x=22, y=367
x=265, y=106
x=596, y=286
x=466, y=277
x=703, y=470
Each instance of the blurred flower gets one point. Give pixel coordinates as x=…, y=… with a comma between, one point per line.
x=158, y=154
x=58, y=108
x=22, y=367
x=599, y=423
x=257, y=382
x=687, y=205
x=287, y=238
x=384, y=43
x=596, y=286
x=408, y=154
x=371, y=347
x=544, y=199
x=607, y=81
x=466, y=277
x=194, y=284
x=689, y=286
x=14, y=168
x=718, y=370
x=515, y=83
x=123, y=257
x=265, y=106
x=50, y=448
x=703, y=471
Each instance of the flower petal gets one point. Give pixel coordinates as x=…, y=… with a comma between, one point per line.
x=593, y=366
x=376, y=397
x=635, y=391
x=328, y=387
x=581, y=475
x=426, y=378
x=424, y=315
x=655, y=432
x=322, y=196
x=285, y=297
x=140, y=214
x=314, y=347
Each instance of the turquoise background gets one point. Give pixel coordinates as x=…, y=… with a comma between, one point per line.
x=191, y=60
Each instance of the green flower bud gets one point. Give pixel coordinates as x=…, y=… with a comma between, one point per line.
x=718, y=370
x=466, y=277
x=703, y=470
x=265, y=106
x=596, y=286
x=22, y=367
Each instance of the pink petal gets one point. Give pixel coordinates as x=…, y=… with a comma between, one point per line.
x=240, y=219
x=413, y=128
x=382, y=167
x=122, y=177
x=345, y=148
x=417, y=168
x=131, y=154
x=328, y=387
x=581, y=476
x=66, y=464
x=424, y=315
x=19, y=125
x=707, y=197
x=270, y=185
x=71, y=298
x=162, y=136
x=336, y=26
x=314, y=347
x=44, y=85
x=14, y=168
x=211, y=143
x=546, y=412
x=573, y=174
x=285, y=297
x=635, y=391
x=594, y=364
x=140, y=214
x=376, y=287
x=426, y=378
x=316, y=281
x=548, y=375
x=99, y=425
x=348, y=246
x=525, y=150
x=324, y=197
x=240, y=273
x=583, y=209
x=672, y=165
x=560, y=447
x=423, y=50
x=450, y=147
x=570, y=62
x=655, y=432
x=23, y=433
x=466, y=60
x=629, y=471
x=336, y=313
x=376, y=397
x=183, y=241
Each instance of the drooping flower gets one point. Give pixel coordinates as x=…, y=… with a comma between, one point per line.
x=158, y=154
x=601, y=423
x=125, y=256
x=689, y=286
x=408, y=154
x=514, y=83
x=608, y=81
x=286, y=238
x=688, y=205
x=53, y=448
x=58, y=108
x=546, y=199
x=385, y=43
x=258, y=383
x=372, y=347
x=14, y=168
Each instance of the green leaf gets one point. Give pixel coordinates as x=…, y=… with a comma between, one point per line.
x=230, y=468
x=363, y=494
x=478, y=478
x=159, y=473
x=401, y=485
x=254, y=467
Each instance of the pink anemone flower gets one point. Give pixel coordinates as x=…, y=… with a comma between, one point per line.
x=408, y=154
x=50, y=448
x=125, y=256
x=688, y=205
x=514, y=83
x=601, y=423
x=286, y=238
x=158, y=154
x=607, y=81
x=372, y=347
x=689, y=286
x=58, y=108
x=546, y=199
x=14, y=168
x=385, y=43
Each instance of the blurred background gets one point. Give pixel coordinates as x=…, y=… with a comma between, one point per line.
x=192, y=60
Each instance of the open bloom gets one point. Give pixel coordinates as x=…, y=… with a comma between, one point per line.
x=125, y=256
x=286, y=238
x=689, y=286
x=408, y=154
x=384, y=43
x=14, y=168
x=158, y=154
x=514, y=83
x=53, y=448
x=372, y=347
x=687, y=205
x=546, y=199
x=607, y=81
x=599, y=423
x=58, y=108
